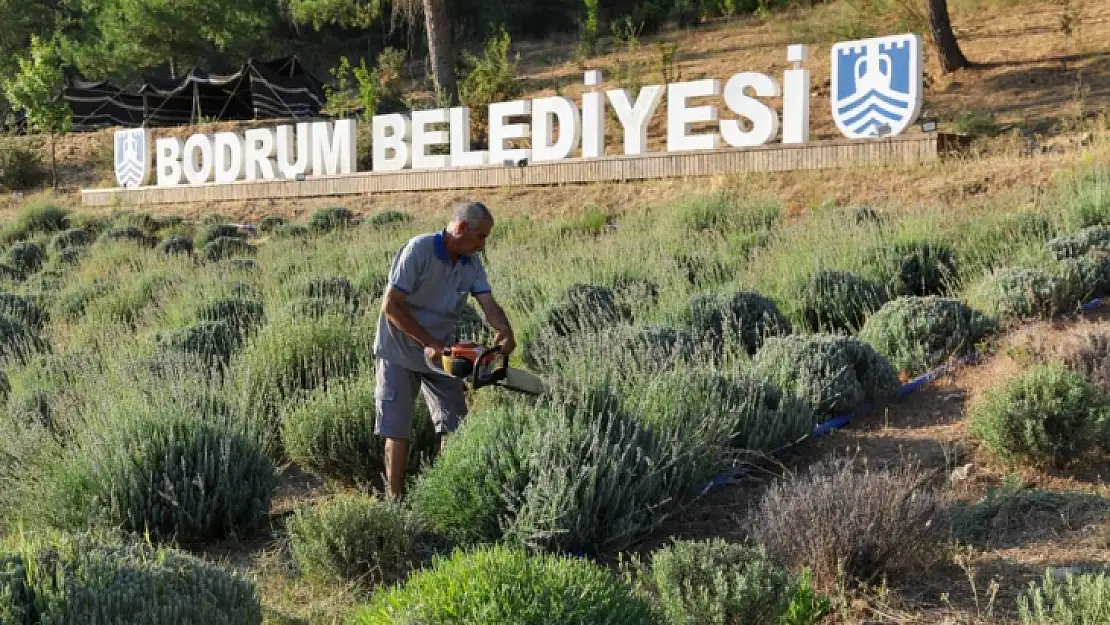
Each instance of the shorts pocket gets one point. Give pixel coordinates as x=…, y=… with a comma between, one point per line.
x=387, y=393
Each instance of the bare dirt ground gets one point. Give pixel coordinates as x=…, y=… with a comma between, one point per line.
x=1040, y=89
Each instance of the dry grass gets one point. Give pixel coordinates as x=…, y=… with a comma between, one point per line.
x=1050, y=87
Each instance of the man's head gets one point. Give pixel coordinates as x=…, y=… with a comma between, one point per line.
x=470, y=225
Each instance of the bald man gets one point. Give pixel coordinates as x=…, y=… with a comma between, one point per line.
x=430, y=280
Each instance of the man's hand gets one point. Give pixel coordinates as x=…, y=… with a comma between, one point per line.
x=434, y=352
x=495, y=316
x=507, y=342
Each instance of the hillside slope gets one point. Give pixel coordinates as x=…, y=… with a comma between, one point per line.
x=1037, y=89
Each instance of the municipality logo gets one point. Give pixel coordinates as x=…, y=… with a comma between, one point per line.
x=132, y=161
x=876, y=85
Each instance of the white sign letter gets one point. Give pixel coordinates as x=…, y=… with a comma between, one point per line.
x=461, y=155
x=422, y=137
x=499, y=131
x=544, y=111
x=635, y=118
x=390, y=142
x=198, y=167
x=593, y=118
x=258, y=153
x=169, y=161
x=680, y=116
x=291, y=169
x=765, y=123
x=228, y=147
x=795, y=98
x=333, y=152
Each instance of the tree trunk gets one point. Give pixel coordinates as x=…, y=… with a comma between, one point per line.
x=439, y=49
x=53, y=160
x=173, y=68
x=948, y=49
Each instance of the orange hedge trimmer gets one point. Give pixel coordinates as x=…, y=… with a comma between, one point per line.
x=483, y=366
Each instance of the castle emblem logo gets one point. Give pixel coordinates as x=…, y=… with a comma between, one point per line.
x=876, y=85
x=132, y=158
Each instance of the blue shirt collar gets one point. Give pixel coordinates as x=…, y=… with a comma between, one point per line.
x=441, y=250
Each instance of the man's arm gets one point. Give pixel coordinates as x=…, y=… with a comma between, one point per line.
x=393, y=306
x=496, y=317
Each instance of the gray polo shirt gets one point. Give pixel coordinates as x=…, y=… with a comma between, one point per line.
x=437, y=292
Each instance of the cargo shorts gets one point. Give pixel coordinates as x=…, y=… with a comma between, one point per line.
x=395, y=397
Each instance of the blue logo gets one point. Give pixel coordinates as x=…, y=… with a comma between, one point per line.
x=132, y=162
x=876, y=85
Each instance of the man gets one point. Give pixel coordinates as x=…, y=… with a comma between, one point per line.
x=429, y=282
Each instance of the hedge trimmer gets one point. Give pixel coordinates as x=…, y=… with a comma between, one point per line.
x=483, y=366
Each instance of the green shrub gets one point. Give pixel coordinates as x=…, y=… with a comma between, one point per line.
x=581, y=308
x=291, y=231
x=833, y=374
x=42, y=219
x=88, y=578
x=143, y=221
x=128, y=234
x=1079, y=243
x=331, y=433
x=212, y=232
x=286, y=358
x=746, y=315
x=18, y=341
x=1082, y=279
x=161, y=456
x=23, y=309
x=584, y=307
x=1078, y=599
x=243, y=315
x=468, y=493
x=38, y=388
x=353, y=538
x=637, y=478
x=330, y=218
x=1047, y=416
x=71, y=255
x=224, y=247
x=240, y=264
x=20, y=168
x=918, y=333
x=915, y=267
x=176, y=244
x=317, y=307
x=270, y=223
x=740, y=410
x=504, y=585
x=330, y=287
x=714, y=582
x=837, y=301
x=868, y=523
x=658, y=347
x=212, y=341
x=183, y=479
x=634, y=293
x=1087, y=194
x=1015, y=293
x=387, y=218
x=74, y=237
x=25, y=256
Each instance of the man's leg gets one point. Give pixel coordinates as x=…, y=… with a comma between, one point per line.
x=446, y=398
x=395, y=395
